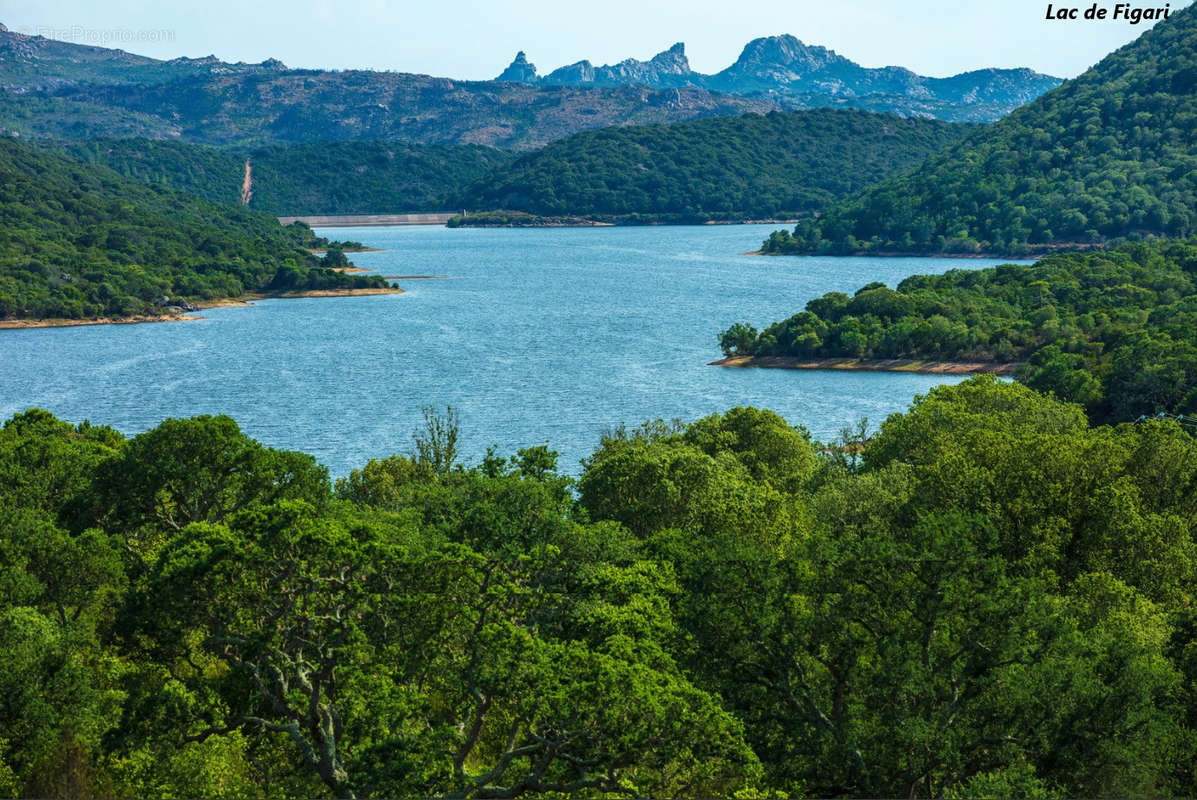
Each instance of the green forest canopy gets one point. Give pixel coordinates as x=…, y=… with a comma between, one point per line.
x=310, y=178
x=995, y=600
x=723, y=168
x=1114, y=331
x=1109, y=154
x=79, y=241
x=751, y=166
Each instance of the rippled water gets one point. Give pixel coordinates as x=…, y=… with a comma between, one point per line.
x=535, y=336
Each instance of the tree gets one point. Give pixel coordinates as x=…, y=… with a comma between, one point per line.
x=738, y=339
x=202, y=469
x=436, y=443
x=397, y=671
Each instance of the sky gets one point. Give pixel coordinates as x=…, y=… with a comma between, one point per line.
x=476, y=39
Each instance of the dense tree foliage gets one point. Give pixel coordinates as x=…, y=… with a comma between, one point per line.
x=1115, y=331
x=755, y=166
x=1109, y=154
x=39, y=117
x=312, y=178
x=995, y=600
x=79, y=241
x=752, y=166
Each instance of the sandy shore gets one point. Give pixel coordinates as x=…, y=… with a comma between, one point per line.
x=244, y=300
x=327, y=293
x=225, y=303
x=874, y=364
x=752, y=222
x=16, y=324
x=990, y=256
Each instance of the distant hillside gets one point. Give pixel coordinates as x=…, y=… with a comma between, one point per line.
x=754, y=166
x=310, y=178
x=797, y=75
x=301, y=106
x=38, y=117
x=80, y=241
x=61, y=90
x=1109, y=154
x=35, y=63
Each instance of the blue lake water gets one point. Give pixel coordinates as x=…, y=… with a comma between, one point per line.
x=535, y=336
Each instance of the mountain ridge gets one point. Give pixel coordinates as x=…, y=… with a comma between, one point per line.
x=60, y=90
x=798, y=74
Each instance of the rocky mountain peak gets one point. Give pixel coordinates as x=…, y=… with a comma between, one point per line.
x=519, y=71
x=672, y=61
x=787, y=52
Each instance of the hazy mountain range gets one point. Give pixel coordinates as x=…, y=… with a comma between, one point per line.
x=799, y=75
x=55, y=89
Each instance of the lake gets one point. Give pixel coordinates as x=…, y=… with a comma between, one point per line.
x=535, y=336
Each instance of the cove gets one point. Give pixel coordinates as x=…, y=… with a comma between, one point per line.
x=534, y=335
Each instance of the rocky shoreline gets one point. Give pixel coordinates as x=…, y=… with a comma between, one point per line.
x=186, y=315
x=873, y=365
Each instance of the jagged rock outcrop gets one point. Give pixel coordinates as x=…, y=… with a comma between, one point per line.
x=580, y=73
x=519, y=71
x=668, y=69
x=775, y=61
x=798, y=75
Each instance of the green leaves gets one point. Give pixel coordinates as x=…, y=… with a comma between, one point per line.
x=752, y=166
x=197, y=470
x=994, y=600
x=1113, y=331
x=364, y=654
x=83, y=242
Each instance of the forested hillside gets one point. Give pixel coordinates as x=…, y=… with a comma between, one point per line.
x=723, y=609
x=78, y=241
x=770, y=166
x=753, y=166
x=300, y=179
x=1109, y=154
x=1114, y=331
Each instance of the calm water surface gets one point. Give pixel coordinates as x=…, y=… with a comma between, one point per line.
x=535, y=336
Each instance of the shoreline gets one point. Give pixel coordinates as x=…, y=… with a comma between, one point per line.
x=367, y=220
x=1024, y=257
x=21, y=324
x=595, y=223
x=1038, y=252
x=322, y=250
x=246, y=299
x=322, y=293
x=1005, y=369
x=574, y=224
